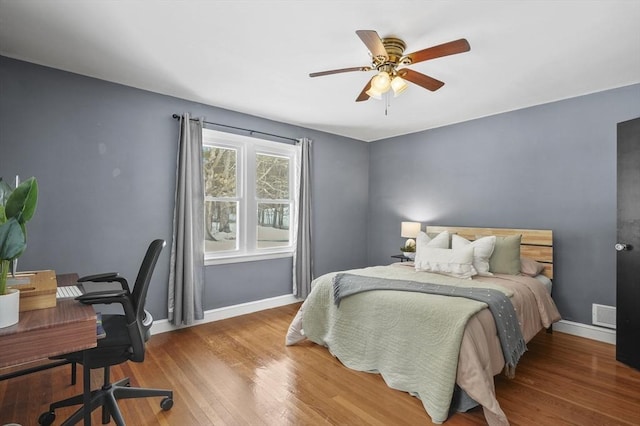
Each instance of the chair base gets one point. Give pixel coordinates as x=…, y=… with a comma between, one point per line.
x=106, y=397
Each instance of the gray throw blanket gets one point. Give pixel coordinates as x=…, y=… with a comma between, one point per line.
x=509, y=333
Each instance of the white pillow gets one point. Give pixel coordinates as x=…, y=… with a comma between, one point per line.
x=439, y=241
x=454, y=262
x=483, y=248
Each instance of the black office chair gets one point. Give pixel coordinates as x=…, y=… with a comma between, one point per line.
x=125, y=341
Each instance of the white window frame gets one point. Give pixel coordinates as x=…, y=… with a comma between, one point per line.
x=247, y=220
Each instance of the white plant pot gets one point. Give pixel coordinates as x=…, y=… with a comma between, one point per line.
x=9, y=308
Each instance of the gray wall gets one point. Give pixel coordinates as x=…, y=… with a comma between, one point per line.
x=105, y=155
x=548, y=167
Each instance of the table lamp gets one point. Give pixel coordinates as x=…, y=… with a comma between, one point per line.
x=410, y=230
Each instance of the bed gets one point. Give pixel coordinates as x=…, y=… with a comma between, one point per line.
x=444, y=350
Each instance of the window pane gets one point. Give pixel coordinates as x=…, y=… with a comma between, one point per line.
x=273, y=225
x=220, y=226
x=272, y=177
x=219, y=169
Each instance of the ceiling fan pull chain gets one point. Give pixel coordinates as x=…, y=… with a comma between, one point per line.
x=387, y=103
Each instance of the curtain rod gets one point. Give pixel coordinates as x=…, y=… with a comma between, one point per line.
x=177, y=117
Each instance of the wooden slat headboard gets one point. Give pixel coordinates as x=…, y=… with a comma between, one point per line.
x=536, y=244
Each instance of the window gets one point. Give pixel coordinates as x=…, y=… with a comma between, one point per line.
x=249, y=197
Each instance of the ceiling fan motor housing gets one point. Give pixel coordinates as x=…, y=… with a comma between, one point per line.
x=395, y=49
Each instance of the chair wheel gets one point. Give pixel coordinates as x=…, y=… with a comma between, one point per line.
x=166, y=403
x=46, y=418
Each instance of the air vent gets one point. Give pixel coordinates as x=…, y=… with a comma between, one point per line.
x=603, y=315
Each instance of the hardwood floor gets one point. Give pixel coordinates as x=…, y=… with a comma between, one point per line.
x=238, y=372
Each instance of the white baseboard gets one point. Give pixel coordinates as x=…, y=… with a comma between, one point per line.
x=162, y=326
x=600, y=334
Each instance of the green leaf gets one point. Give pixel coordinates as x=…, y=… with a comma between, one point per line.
x=12, y=239
x=5, y=191
x=23, y=201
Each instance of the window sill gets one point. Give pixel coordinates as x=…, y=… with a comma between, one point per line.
x=240, y=258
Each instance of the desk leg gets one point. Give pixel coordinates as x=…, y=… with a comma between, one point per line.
x=86, y=393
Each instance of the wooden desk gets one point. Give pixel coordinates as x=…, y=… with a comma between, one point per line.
x=42, y=333
x=68, y=327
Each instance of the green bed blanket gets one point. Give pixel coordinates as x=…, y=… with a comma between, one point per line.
x=379, y=331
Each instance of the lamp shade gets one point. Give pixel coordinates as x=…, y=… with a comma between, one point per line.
x=381, y=82
x=398, y=85
x=373, y=93
x=410, y=229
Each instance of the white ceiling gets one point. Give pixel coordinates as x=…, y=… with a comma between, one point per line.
x=255, y=56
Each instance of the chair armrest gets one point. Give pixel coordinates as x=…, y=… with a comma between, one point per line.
x=122, y=297
x=100, y=297
x=100, y=278
x=107, y=277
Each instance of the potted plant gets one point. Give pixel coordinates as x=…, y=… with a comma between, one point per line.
x=17, y=207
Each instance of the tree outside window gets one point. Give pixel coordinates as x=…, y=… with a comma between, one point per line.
x=221, y=198
x=272, y=193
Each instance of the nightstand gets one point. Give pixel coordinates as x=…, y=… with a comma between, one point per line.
x=402, y=257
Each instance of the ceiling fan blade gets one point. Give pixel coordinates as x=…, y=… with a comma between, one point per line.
x=321, y=73
x=363, y=95
x=445, y=49
x=420, y=79
x=371, y=39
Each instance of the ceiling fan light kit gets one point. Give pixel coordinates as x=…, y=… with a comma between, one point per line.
x=389, y=60
x=382, y=82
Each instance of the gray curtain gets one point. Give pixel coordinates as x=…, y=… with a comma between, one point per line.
x=187, y=251
x=302, y=259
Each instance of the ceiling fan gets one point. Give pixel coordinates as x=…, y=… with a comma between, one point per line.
x=389, y=60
